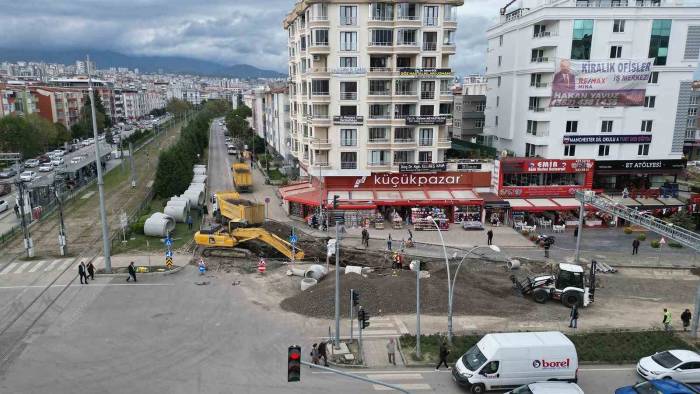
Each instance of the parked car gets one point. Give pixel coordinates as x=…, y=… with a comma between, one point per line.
x=8, y=173
x=57, y=161
x=5, y=188
x=659, y=386
x=59, y=152
x=31, y=163
x=4, y=206
x=681, y=365
x=27, y=176
x=76, y=159
x=548, y=388
x=472, y=225
x=46, y=167
x=44, y=159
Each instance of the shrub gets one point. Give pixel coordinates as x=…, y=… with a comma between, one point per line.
x=642, y=237
x=628, y=230
x=655, y=244
x=672, y=244
x=137, y=226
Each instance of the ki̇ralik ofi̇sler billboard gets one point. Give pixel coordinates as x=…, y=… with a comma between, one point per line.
x=600, y=83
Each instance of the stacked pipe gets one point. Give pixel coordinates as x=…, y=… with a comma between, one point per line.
x=158, y=225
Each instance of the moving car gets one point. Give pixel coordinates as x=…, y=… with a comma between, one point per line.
x=31, y=163
x=548, y=388
x=8, y=173
x=46, y=167
x=57, y=161
x=681, y=365
x=508, y=360
x=27, y=176
x=4, y=206
x=59, y=152
x=76, y=159
x=662, y=386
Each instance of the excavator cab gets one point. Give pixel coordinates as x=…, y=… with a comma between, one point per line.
x=569, y=278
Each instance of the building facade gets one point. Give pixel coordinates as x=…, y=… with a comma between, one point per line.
x=532, y=36
x=276, y=122
x=469, y=106
x=369, y=84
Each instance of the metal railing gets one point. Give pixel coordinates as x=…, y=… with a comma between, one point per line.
x=425, y=142
x=430, y=46
x=348, y=165
x=379, y=116
x=407, y=18
x=538, y=109
x=348, y=142
x=348, y=21
x=378, y=140
x=543, y=34
x=380, y=44
x=406, y=92
x=380, y=92
x=348, y=95
x=407, y=43
x=430, y=21
x=404, y=140
x=379, y=69
x=539, y=85
x=685, y=237
x=320, y=44
x=539, y=59
x=320, y=93
x=427, y=95
x=379, y=163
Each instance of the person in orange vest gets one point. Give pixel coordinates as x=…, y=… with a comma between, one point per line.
x=261, y=266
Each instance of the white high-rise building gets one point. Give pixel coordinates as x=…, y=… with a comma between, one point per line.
x=369, y=84
x=531, y=38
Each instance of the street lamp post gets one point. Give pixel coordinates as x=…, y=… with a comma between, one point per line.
x=470, y=251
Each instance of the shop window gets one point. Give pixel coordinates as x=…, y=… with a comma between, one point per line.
x=603, y=150
x=643, y=150
x=569, y=150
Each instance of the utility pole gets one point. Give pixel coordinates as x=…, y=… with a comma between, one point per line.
x=100, y=180
x=416, y=266
x=352, y=301
x=337, y=287
x=133, y=168
x=582, y=212
x=16, y=158
x=62, y=243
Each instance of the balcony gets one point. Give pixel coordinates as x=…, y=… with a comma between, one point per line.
x=406, y=93
x=539, y=59
x=425, y=142
x=444, y=143
x=348, y=165
x=407, y=21
x=379, y=116
x=427, y=95
x=605, y=3
x=319, y=21
x=317, y=72
x=319, y=48
x=404, y=140
x=348, y=95
x=320, y=144
x=407, y=46
x=348, y=142
x=385, y=163
x=380, y=92
x=449, y=47
x=378, y=141
x=380, y=70
x=430, y=46
x=319, y=120
x=322, y=164
x=539, y=109
x=430, y=21
x=348, y=21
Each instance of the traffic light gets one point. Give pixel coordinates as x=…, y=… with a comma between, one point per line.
x=335, y=201
x=294, y=364
x=363, y=318
x=355, y=297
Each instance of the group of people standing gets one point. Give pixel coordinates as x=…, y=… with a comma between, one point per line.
x=85, y=271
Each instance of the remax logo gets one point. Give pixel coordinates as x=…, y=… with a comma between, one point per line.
x=544, y=364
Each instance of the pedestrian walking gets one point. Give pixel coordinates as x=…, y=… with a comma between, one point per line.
x=489, y=237
x=82, y=273
x=667, y=320
x=323, y=353
x=444, y=352
x=314, y=354
x=189, y=222
x=685, y=317
x=391, y=351
x=410, y=238
x=132, y=272
x=635, y=246
x=388, y=242
x=365, y=238
x=573, y=315
x=91, y=271
x=576, y=232
x=546, y=250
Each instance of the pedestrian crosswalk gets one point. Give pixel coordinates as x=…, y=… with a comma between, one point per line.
x=384, y=327
x=35, y=267
x=410, y=381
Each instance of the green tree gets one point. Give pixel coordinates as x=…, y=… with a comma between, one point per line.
x=19, y=135
x=684, y=219
x=83, y=128
x=62, y=134
x=46, y=132
x=177, y=106
x=243, y=111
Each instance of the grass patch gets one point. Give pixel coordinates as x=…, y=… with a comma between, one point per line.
x=603, y=347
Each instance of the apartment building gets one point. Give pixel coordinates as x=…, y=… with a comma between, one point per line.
x=691, y=145
x=533, y=36
x=276, y=122
x=369, y=85
x=469, y=105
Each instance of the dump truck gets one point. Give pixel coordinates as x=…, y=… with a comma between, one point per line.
x=238, y=221
x=567, y=285
x=242, y=177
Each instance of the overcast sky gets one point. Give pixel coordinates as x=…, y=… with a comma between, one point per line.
x=225, y=31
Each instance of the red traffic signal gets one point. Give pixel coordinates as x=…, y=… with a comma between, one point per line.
x=294, y=364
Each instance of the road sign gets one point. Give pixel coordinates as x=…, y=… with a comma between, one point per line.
x=168, y=253
x=123, y=220
x=267, y=200
x=168, y=241
x=169, y=262
x=293, y=239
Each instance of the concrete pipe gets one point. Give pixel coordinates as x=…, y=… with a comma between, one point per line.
x=177, y=212
x=158, y=225
x=307, y=283
x=200, y=171
x=198, y=186
x=513, y=264
x=199, y=179
x=180, y=200
x=296, y=272
x=196, y=197
x=353, y=269
x=316, y=271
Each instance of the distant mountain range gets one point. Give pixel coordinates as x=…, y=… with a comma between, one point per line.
x=145, y=64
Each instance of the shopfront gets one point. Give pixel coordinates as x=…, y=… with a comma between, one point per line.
x=614, y=176
x=540, y=192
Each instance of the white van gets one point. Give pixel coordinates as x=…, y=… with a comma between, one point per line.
x=509, y=360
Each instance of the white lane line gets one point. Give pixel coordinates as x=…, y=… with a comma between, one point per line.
x=401, y=325
x=22, y=268
x=381, y=325
x=383, y=371
x=379, y=332
x=9, y=268
x=65, y=265
x=409, y=386
x=37, y=266
x=395, y=376
x=90, y=284
x=52, y=265
x=607, y=369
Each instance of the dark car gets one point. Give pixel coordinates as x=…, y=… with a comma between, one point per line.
x=8, y=173
x=660, y=386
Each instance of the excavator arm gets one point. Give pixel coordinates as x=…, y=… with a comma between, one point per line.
x=284, y=247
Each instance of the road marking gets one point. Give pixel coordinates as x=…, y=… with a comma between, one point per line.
x=9, y=268
x=22, y=268
x=390, y=376
x=87, y=195
x=383, y=371
x=381, y=325
x=92, y=284
x=607, y=369
x=37, y=266
x=65, y=265
x=410, y=386
x=379, y=332
x=402, y=326
x=52, y=265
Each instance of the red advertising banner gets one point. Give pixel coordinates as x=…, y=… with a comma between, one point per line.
x=538, y=191
x=553, y=165
x=445, y=180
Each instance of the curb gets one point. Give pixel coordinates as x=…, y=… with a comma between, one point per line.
x=172, y=271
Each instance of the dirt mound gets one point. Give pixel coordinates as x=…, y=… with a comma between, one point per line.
x=477, y=293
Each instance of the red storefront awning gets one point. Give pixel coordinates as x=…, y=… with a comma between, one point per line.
x=394, y=197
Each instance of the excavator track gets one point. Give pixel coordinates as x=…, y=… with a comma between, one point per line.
x=225, y=252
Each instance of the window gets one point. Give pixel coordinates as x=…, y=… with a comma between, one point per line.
x=427, y=90
x=498, y=101
x=406, y=37
x=499, y=61
x=348, y=160
x=537, y=56
x=534, y=104
x=348, y=41
x=478, y=123
x=348, y=62
x=348, y=90
x=654, y=77
x=571, y=126
x=429, y=41
x=606, y=126
x=500, y=41
x=495, y=121
x=616, y=51
x=425, y=157
x=427, y=110
x=569, y=150
x=529, y=150
x=377, y=134
x=426, y=137
x=320, y=37
x=445, y=109
x=647, y=125
x=531, y=127
x=693, y=100
x=692, y=112
x=382, y=11
x=649, y=101
x=540, y=31
x=401, y=111
x=348, y=137
x=406, y=11
x=378, y=157
x=404, y=87
x=448, y=37
x=429, y=62
x=403, y=61
x=348, y=15
x=499, y=81
x=348, y=110
x=643, y=150
x=319, y=87
x=582, y=37
x=319, y=12
x=658, y=44
x=403, y=134
x=377, y=62
x=379, y=87
x=603, y=150
x=430, y=15
x=619, y=26
x=403, y=156
x=382, y=37
x=536, y=81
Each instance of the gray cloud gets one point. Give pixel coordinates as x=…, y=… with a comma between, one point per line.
x=225, y=31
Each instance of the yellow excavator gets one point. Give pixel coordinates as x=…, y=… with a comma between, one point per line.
x=237, y=220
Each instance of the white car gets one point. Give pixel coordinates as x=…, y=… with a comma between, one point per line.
x=3, y=206
x=76, y=159
x=59, y=152
x=57, y=161
x=46, y=167
x=27, y=176
x=31, y=163
x=681, y=365
x=548, y=388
